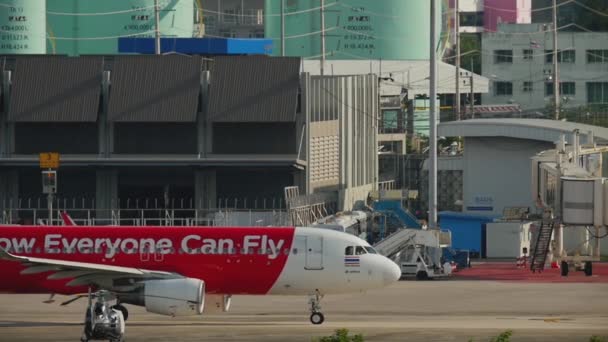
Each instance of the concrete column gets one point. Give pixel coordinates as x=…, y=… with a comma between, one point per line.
x=204, y=132
x=104, y=134
x=7, y=129
x=205, y=189
x=305, y=85
x=106, y=194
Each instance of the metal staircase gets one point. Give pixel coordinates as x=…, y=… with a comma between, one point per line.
x=395, y=242
x=541, y=248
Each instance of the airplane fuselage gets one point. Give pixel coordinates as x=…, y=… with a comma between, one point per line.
x=230, y=260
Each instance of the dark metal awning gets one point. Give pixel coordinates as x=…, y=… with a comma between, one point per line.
x=254, y=89
x=55, y=89
x=155, y=88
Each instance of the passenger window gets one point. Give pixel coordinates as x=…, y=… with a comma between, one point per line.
x=370, y=250
x=349, y=250
x=360, y=251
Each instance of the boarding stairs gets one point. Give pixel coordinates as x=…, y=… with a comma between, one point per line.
x=541, y=248
x=396, y=242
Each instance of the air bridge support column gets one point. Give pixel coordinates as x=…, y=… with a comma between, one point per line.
x=205, y=191
x=106, y=197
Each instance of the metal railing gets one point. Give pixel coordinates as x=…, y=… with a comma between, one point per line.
x=149, y=217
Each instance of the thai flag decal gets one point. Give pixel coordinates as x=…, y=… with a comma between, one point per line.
x=351, y=261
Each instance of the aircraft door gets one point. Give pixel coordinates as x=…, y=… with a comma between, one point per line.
x=314, y=253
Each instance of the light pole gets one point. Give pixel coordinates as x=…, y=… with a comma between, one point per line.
x=433, y=122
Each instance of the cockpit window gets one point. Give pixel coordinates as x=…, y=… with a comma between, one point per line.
x=370, y=250
x=360, y=250
x=349, y=250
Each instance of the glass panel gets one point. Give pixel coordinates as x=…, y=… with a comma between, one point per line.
x=390, y=118
x=370, y=250
x=349, y=250
x=360, y=250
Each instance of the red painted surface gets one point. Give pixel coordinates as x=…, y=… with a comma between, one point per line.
x=507, y=271
x=235, y=272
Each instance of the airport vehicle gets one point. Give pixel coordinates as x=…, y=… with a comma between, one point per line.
x=180, y=271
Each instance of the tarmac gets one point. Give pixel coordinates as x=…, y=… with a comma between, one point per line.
x=438, y=310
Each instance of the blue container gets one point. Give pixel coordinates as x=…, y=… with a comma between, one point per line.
x=197, y=46
x=468, y=230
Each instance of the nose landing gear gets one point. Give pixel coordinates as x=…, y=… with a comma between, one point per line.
x=316, y=316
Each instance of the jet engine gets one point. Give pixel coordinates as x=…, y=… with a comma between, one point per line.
x=170, y=297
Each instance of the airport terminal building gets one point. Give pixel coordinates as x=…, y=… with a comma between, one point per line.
x=181, y=135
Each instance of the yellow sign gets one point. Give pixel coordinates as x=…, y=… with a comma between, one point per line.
x=49, y=160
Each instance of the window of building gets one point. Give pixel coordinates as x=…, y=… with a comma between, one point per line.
x=256, y=34
x=503, y=88
x=597, y=56
x=565, y=88
x=503, y=56
x=597, y=92
x=229, y=16
x=568, y=56
x=528, y=87
x=228, y=34
x=390, y=119
x=471, y=18
x=528, y=54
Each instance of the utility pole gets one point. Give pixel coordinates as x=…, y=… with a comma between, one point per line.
x=556, y=89
x=283, y=28
x=157, y=27
x=457, y=62
x=433, y=123
x=322, y=37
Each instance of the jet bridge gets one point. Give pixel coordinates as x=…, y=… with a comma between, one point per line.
x=569, y=187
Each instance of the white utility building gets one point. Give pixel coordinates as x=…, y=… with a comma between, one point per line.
x=497, y=156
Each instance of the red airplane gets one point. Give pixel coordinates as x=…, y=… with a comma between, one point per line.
x=179, y=271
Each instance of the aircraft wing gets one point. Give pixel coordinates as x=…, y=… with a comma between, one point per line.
x=83, y=273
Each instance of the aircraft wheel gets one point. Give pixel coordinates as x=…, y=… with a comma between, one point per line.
x=317, y=318
x=125, y=312
x=422, y=275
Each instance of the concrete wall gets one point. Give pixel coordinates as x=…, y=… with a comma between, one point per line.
x=343, y=135
x=536, y=70
x=350, y=197
x=497, y=173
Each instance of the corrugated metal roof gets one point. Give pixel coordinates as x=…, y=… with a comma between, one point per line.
x=254, y=89
x=533, y=129
x=154, y=88
x=55, y=89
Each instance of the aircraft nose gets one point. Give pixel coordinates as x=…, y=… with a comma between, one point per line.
x=392, y=272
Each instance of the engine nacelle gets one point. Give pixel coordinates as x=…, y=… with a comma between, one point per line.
x=175, y=297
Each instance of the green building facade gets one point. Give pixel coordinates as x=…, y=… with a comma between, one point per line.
x=354, y=29
x=81, y=27
x=22, y=27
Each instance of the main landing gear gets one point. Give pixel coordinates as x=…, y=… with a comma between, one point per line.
x=316, y=317
x=103, y=322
